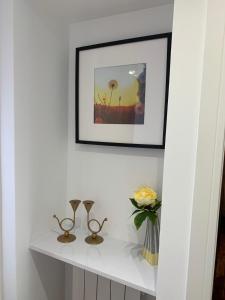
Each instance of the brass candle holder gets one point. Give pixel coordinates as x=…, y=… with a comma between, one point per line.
x=94, y=238
x=67, y=237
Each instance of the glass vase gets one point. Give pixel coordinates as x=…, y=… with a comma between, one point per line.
x=151, y=245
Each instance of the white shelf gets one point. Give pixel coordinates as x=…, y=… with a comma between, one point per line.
x=114, y=259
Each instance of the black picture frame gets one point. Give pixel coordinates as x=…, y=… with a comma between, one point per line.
x=168, y=36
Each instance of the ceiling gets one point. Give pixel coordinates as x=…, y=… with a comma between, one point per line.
x=69, y=11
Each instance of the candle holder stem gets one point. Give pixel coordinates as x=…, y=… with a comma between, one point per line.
x=94, y=238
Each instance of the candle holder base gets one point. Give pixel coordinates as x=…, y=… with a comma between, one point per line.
x=94, y=239
x=66, y=238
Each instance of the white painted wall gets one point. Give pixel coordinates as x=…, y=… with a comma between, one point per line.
x=194, y=150
x=40, y=100
x=7, y=150
x=109, y=175
x=210, y=156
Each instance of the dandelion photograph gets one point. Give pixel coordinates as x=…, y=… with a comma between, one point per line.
x=119, y=94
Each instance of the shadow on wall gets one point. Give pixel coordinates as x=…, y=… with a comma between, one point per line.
x=159, y=153
x=46, y=267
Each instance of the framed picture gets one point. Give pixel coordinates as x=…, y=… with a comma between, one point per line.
x=122, y=92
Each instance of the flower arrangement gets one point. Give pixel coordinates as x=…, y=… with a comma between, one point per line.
x=146, y=204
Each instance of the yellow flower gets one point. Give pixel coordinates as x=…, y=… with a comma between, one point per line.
x=145, y=196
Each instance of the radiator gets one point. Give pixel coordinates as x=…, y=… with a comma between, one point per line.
x=83, y=285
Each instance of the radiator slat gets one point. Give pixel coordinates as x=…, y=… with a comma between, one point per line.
x=91, y=285
x=103, y=288
x=117, y=291
x=132, y=294
x=78, y=284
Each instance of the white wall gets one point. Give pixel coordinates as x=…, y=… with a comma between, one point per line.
x=210, y=156
x=109, y=175
x=192, y=126
x=7, y=151
x=40, y=89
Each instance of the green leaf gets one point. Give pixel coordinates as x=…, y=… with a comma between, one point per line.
x=136, y=211
x=134, y=203
x=157, y=206
x=152, y=207
x=139, y=219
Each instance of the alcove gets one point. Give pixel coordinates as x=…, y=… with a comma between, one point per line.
x=108, y=175
x=50, y=169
